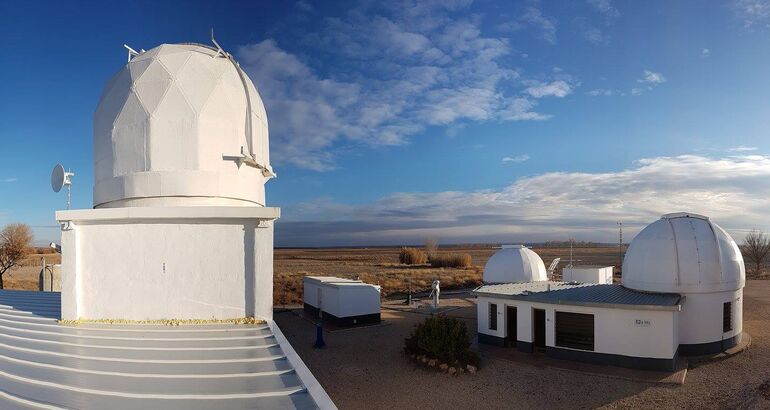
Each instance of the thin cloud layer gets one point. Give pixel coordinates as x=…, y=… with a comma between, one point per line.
x=517, y=158
x=734, y=191
x=753, y=12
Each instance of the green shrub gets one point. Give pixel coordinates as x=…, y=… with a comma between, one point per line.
x=452, y=260
x=443, y=338
x=412, y=256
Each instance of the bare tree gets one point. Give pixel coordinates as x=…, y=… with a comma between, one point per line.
x=756, y=247
x=15, y=240
x=431, y=246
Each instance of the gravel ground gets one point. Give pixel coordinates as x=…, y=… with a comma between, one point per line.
x=366, y=368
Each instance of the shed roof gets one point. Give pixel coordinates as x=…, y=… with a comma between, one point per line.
x=583, y=294
x=588, y=267
x=336, y=282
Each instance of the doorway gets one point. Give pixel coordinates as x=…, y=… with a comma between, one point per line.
x=538, y=324
x=510, y=314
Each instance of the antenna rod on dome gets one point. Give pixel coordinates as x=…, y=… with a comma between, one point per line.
x=220, y=51
x=131, y=52
x=245, y=90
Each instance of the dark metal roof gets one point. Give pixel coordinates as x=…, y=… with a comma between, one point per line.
x=581, y=294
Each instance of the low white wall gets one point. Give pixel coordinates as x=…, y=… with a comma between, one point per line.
x=167, y=269
x=701, y=316
x=636, y=333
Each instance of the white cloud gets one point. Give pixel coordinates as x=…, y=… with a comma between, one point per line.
x=389, y=76
x=651, y=77
x=650, y=80
x=517, y=158
x=11, y=179
x=590, y=32
x=753, y=12
x=534, y=17
x=520, y=109
x=742, y=148
x=594, y=35
x=734, y=191
x=304, y=6
x=603, y=92
x=605, y=7
x=556, y=88
x=705, y=52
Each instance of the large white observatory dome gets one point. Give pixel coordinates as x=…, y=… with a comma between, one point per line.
x=683, y=253
x=514, y=264
x=180, y=124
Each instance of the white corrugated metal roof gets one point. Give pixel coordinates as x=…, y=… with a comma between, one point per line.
x=44, y=364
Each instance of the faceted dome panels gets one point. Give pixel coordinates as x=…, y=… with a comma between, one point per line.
x=683, y=253
x=172, y=127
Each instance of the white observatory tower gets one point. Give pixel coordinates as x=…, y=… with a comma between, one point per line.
x=179, y=228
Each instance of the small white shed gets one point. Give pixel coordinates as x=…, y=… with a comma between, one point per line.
x=342, y=301
x=588, y=274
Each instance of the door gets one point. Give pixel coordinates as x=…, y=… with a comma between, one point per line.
x=320, y=304
x=538, y=322
x=510, y=314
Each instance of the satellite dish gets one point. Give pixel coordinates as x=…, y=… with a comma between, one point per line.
x=57, y=178
x=61, y=178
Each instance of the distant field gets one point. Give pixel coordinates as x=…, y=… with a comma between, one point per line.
x=373, y=265
x=25, y=274
x=381, y=266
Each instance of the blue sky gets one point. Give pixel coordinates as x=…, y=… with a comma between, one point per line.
x=464, y=121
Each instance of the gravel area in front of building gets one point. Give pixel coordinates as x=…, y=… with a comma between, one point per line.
x=366, y=368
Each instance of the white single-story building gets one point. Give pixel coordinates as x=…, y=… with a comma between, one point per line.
x=588, y=274
x=681, y=293
x=607, y=324
x=343, y=301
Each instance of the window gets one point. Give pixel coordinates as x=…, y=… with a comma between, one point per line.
x=575, y=330
x=492, y=316
x=727, y=317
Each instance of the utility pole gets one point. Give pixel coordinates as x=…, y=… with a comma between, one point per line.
x=620, y=245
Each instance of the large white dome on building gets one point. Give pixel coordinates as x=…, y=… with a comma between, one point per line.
x=683, y=253
x=514, y=264
x=180, y=124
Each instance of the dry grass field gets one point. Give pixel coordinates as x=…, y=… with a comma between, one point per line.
x=381, y=266
x=374, y=265
x=24, y=276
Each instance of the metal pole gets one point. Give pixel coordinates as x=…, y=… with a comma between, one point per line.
x=620, y=245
